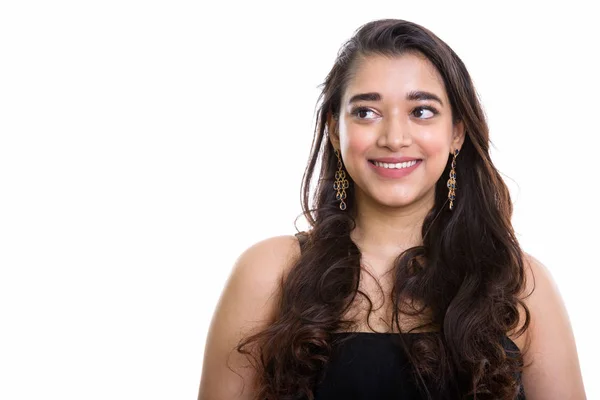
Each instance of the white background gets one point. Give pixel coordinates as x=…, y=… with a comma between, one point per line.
x=145, y=145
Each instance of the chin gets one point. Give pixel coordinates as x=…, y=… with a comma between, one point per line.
x=397, y=202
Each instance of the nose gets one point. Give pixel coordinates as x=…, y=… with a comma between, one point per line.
x=395, y=134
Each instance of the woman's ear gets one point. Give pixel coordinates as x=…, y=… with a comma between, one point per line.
x=458, y=135
x=332, y=131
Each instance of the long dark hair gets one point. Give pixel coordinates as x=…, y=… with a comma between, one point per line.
x=469, y=271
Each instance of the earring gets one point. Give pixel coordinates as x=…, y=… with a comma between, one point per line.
x=341, y=183
x=452, y=181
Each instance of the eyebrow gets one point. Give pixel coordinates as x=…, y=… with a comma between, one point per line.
x=410, y=96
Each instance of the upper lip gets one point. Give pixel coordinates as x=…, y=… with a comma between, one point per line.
x=394, y=160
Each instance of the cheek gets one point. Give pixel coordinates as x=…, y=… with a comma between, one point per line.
x=434, y=144
x=356, y=144
x=355, y=147
x=436, y=150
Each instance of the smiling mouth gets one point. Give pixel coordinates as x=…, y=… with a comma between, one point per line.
x=406, y=164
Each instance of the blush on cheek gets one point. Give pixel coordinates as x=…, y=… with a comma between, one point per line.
x=434, y=162
x=358, y=144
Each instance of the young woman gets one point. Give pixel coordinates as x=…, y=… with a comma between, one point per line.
x=410, y=283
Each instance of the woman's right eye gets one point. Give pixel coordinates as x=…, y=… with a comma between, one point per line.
x=362, y=112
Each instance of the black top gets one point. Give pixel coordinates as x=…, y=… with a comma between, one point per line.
x=373, y=366
x=368, y=365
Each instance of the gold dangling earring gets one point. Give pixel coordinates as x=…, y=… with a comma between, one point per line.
x=452, y=181
x=341, y=183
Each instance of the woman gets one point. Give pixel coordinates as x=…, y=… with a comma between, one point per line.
x=410, y=282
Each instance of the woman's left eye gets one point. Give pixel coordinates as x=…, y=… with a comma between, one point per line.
x=424, y=112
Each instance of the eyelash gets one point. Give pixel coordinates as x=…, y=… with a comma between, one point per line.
x=435, y=112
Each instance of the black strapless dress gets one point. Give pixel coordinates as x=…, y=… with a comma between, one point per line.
x=372, y=366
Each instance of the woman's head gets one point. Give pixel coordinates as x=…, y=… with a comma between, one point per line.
x=396, y=91
x=393, y=109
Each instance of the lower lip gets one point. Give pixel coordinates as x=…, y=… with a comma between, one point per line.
x=394, y=172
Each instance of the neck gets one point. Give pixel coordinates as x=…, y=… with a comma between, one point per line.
x=384, y=231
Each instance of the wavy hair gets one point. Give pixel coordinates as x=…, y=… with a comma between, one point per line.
x=468, y=272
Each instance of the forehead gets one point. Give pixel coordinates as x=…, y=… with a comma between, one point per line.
x=395, y=76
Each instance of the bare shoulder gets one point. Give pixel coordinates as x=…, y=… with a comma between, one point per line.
x=549, y=343
x=534, y=270
x=259, y=268
x=246, y=305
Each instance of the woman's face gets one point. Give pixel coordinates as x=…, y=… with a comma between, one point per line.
x=395, y=109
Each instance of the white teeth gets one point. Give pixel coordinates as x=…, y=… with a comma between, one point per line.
x=397, y=165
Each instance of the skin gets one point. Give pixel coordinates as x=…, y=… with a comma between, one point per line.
x=390, y=213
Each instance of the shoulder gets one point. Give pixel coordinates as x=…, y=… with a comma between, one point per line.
x=538, y=288
x=255, y=277
x=548, y=342
x=541, y=293
x=261, y=266
x=534, y=273
x=247, y=304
